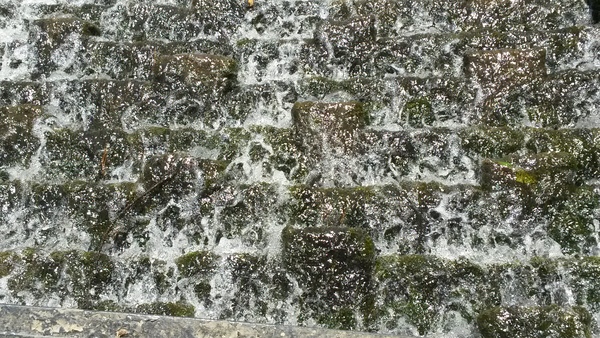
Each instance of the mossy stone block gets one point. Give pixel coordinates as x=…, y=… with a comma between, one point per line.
x=223, y=16
x=197, y=263
x=419, y=112
x=108, y=104
x=11, y=194
x=51, y=34
x=395, y=150
x=334, y=265
x=492, y=142
x=530, y=170
x=500, y=70
x=581, y=143
x=232, y=143
x=246, y=214
x=121, y=60
x=91, y=154
x=14, y=93
x=585, y=281
x=197, y=70
x=39, y=275
x=17, y=140
x=8, y=261
x=535, y=321
x=344, y=36
x=331, y=261
x=414, y=287
x=88, y=273
x=171, y=176
x=175, y=309
x=335, y=124
x=57, y=29
x=160, y=22
x=286, y=153
x=331, y=206
x=250, y=276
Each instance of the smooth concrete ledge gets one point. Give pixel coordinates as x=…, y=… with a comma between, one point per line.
x=27, y=321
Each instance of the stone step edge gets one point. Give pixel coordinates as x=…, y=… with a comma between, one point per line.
x=28, y=321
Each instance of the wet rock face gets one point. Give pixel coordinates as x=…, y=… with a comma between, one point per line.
x=423, y=167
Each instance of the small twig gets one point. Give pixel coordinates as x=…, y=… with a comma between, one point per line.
x=131, y=204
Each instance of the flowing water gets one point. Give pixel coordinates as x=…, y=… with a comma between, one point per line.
x=388, y=166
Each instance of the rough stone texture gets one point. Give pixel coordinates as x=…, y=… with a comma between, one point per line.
x=386, y=165
x=19, y=321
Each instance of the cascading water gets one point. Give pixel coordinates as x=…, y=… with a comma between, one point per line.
x=417, y=167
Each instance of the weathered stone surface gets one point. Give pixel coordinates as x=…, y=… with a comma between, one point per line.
x=196, y=69
x=17, y=139
x=329, y=124
x=92, y=154
x=530, y=170
x=76, y=322
x=491, y=142
x=56, y=38
x=542, y=321
x=334, y=265
x=502, y=70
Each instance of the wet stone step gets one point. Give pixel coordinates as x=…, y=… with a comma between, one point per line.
x=136, y=22
x=395, y=155
x=136, y=60
x=413, y=218
x=405, y=17
x=419, y=288
x=499, y=70
x=129, y=104
x=333, y=52
x=418, y=217
x=19, y=92
x=18, y=141
x=530, y=320
x=55, y=40
x=91, y=12
x=335, y=265
x=426, y=289
x=564, y=98
x=333, y=125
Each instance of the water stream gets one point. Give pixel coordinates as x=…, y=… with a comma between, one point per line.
x=179, y=157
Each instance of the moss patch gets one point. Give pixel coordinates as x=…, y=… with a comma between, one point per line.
x=196, y=263
x=529, y=322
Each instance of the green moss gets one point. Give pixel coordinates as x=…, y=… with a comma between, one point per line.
x=234, y=140
x=342, y=319
x=586, y=281
x=8, y=261
x=522, y=176
x=335, y=265
x=574, y=232
x=491, y=141
x=577, y=143
x=202, y=291
x=287, y=155
x=413, y=286
x=196, y=263
x=40, y=275
x=419, y=112
x=334, y=123
x=530, y=322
